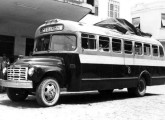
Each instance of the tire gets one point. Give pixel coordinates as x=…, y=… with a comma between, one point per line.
x=105, y=92
x=17, y=95
x=140, y=90
x=48, y=92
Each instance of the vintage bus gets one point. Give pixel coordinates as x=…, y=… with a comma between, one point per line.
x=79, y=57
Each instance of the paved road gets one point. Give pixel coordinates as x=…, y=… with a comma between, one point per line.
x=90, y=106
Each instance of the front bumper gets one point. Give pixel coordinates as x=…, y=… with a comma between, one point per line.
x=16, y=84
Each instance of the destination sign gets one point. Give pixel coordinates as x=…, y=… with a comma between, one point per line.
x=51, y=28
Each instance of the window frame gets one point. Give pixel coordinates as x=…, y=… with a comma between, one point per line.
x=138, y=48
x=102, y=49
x=162, y=19
x=118, y=52
x=135, y=21
x=161, y=50
x=89, y=37
x=131, y=52
x=153, y=51
x=146, y=44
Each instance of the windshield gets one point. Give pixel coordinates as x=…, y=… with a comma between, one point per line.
x=56, y=43
x=63, y=43
x=43, y=43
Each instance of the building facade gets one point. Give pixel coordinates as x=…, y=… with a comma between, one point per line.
x=20, y=19
x=105, y=8
x=150, y=18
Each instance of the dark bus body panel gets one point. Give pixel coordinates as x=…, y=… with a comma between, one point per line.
x=120, y=78
x=81, y=76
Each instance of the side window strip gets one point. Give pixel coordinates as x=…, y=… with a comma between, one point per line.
x=116, y=45
x=128, y=47
x=88, y=41
x=104, y=44
x=138, y=48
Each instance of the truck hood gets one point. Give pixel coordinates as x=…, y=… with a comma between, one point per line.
x=39, y=60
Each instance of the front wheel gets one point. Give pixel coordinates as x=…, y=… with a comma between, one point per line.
x=17, y=95
x=140, y=90
x=48, y=92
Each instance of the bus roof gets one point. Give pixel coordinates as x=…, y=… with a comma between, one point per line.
x=71, y=26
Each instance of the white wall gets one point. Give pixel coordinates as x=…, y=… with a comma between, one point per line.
x=103, y=8
x=150, y=19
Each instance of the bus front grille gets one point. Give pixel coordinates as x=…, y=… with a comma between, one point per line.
x=17, y=73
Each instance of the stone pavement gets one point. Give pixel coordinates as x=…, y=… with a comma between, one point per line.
x=90, y=106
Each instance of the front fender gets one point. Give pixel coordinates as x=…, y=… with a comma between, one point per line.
x=48, y=71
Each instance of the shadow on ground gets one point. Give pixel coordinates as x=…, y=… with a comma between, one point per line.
x=73, y=99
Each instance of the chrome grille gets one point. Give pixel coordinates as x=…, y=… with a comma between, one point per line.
x=17, y=73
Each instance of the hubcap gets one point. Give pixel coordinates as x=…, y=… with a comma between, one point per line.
x=49, y=92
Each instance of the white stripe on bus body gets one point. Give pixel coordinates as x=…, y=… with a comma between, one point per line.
x=110, y=78
x=96, y=59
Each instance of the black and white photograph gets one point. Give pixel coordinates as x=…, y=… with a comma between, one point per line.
x=82, y=59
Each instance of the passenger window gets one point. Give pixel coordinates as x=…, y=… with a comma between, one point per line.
x=155, y=50
x=116, y=45
x=147, y=50
x=161, y=51
x=138, y=48
x=128, y=47
x=88, y=41
x=104, y=44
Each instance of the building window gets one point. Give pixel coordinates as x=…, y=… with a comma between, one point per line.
x=111, y=13
x=29, y=46
x=7, y=45
x=163, y=20
x=136, y=22
x=111, y=7
x=96, y=11
x=91, y=2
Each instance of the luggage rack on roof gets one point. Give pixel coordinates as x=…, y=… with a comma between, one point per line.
x=122, y=26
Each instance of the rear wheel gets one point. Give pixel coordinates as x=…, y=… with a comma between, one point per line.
x=48, y=92
x=17, y=94
x=140, y=90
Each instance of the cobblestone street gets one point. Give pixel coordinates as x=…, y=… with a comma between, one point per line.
x=90, y=106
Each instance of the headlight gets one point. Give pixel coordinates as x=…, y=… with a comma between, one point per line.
x=31, y=71
x=4, y=70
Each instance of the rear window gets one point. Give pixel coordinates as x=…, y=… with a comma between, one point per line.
x=161, y=51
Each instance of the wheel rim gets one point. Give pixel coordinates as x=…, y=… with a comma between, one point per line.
x=51, y=92
x=141, y=86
